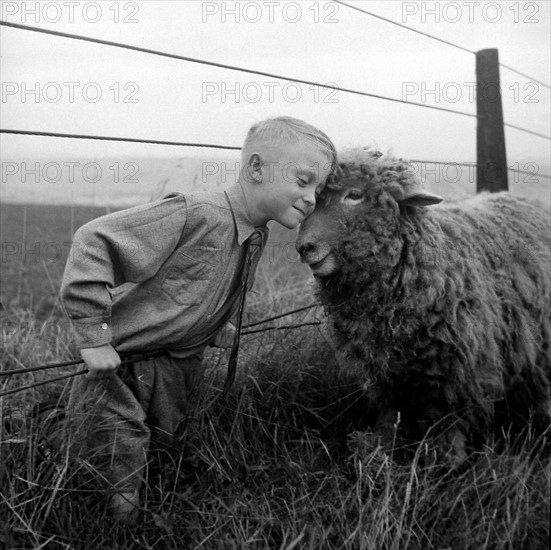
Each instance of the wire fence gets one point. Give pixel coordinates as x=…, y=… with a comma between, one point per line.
x=269, y=75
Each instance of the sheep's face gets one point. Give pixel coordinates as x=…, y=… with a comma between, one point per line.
x=342, y=207
x=356, y=219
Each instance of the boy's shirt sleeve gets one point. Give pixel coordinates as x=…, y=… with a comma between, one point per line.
x=125, y=247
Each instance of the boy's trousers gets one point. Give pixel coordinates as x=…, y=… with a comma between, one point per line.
x=117, y=420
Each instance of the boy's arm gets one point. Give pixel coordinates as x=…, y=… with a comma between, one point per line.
x=128, y=246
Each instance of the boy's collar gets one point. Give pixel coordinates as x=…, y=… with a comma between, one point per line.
x=238, y=203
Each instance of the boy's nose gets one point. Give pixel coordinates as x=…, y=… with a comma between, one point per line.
x=310, y=199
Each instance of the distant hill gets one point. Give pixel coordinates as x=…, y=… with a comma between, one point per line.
x=127, y=181
x=110, y=181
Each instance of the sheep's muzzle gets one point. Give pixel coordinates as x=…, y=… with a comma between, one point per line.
x=314, y=244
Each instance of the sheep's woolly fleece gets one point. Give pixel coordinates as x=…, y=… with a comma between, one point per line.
x=446, y=308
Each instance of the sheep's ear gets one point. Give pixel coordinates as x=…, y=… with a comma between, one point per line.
x=420, y=197
x=373, y=154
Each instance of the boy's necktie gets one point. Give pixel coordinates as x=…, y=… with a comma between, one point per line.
x=253, y=244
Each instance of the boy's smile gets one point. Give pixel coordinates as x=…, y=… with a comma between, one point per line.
x=285, y=182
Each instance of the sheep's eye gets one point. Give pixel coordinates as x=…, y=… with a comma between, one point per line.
x=353, y=196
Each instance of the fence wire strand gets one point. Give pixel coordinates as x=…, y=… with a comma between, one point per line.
x=474, y=165
x=528, y=77
x=527, y=131
x=432, y=37
x=392, y=22
x=231, y=67
x=111, y=138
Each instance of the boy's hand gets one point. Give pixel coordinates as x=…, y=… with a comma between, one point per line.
x=101, y=361
x=224, y=339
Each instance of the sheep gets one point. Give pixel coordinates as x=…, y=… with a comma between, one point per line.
x=445, y=308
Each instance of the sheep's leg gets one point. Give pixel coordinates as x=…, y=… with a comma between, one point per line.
x=527, y=399
x=453, y=446
x=445, y=431
x=391, y=426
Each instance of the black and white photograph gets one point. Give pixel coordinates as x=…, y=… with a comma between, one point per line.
x=275, y=275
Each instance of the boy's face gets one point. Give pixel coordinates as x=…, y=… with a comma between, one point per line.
x=288, y=179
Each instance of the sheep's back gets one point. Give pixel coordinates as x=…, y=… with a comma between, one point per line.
x=496, y=253
x=501, y=234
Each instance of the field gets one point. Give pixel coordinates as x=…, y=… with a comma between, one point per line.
x=285, y=461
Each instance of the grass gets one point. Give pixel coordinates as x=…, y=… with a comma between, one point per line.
x=285, y=461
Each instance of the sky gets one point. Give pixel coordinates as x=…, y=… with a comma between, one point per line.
x=62, y=85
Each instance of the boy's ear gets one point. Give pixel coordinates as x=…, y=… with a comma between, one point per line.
x=254, y=168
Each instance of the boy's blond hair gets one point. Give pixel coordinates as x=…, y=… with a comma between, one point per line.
x=287, y=129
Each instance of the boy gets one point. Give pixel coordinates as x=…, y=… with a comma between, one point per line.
x=168, y=275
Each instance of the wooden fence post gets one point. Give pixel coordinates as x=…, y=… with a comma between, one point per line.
x=491, y=172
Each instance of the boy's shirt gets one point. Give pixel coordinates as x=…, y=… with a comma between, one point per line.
x=162, y=275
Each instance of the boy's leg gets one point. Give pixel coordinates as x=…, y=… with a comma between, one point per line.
x=112, y=420
x=167, y=388
x=109, y=431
